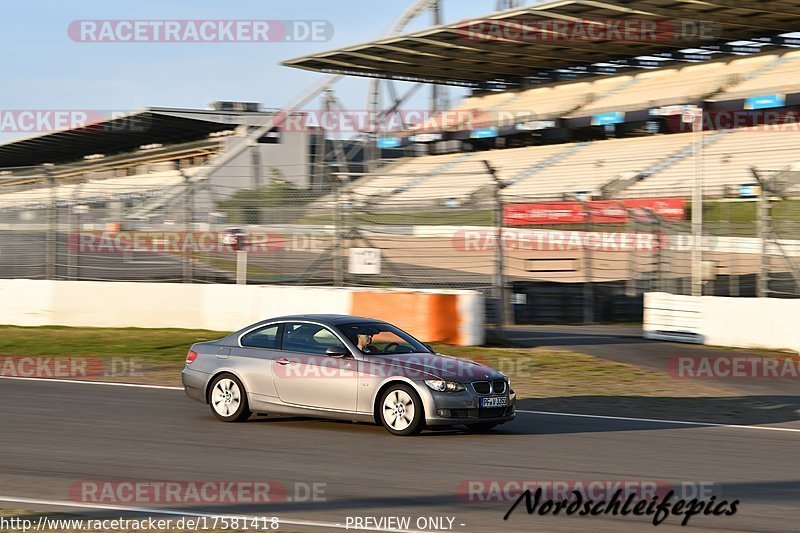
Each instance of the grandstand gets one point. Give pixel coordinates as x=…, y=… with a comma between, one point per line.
x=727, y=163
x=571, y=120
x=682, y=84
x=144, y=160
x=558, y=119
x=654, y=164
x=507, y=108
x=782, y=76
x=712, y=80
x=94, y=191
x=657, y=166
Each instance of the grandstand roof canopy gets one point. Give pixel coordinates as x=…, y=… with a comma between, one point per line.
x=120, y=134
x=511, y=45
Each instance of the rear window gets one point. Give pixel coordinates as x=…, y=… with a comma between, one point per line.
x=266, y=337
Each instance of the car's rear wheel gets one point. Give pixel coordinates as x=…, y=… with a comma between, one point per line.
x=228, y=399
x=401, y=410
x=482, y=427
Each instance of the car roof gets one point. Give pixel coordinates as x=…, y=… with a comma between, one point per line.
x=328, y=319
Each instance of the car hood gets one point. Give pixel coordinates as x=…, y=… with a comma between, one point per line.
x=437, y=366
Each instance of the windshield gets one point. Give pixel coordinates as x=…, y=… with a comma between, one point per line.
x=381, y=339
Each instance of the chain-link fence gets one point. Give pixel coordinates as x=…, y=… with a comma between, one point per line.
x=562, y=257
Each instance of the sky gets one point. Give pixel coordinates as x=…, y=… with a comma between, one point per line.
x=44, y=69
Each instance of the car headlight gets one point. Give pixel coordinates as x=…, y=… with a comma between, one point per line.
x=441, y=385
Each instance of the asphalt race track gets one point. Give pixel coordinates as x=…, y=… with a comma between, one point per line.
x=57, y=434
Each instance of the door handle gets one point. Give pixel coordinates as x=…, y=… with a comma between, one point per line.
x=283, y=361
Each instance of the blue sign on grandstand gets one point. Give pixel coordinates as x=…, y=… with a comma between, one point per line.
x=389, y=142
x=605, y=119
x=749, y=190
x=484, y=133
x=765, y=101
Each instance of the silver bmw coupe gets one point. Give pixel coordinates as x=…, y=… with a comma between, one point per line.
x=348, y=368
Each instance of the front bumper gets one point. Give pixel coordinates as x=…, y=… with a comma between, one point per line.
x=449, y=408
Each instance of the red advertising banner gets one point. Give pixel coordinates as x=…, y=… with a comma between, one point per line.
x=598, y=212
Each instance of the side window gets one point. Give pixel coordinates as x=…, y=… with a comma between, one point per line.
x=309, y=338
x=266, y=337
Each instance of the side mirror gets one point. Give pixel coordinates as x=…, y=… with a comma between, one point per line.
x=337, y=351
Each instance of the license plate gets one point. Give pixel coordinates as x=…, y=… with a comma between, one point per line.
x=499, y=401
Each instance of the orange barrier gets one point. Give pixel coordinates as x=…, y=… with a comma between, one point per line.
x=428, y=316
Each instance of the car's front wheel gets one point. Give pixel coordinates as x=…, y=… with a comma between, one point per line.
x=228, y=399
x=401, y=410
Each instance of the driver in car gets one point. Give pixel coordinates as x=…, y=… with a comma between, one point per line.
x=365, y=343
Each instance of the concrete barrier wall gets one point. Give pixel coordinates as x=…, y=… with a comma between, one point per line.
x=453, y=317
x=765, y=323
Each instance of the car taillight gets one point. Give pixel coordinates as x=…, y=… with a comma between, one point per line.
x=190, y=357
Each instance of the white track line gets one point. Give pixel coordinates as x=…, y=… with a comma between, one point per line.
x=547, y=413
x=175, y=512
x=87, y=382
x=660, y=421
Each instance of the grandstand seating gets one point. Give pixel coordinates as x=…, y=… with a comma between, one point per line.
x=404, y=175
x=92, y=190
x=712, y=80
x=653, y=165
x=727, y=162
x=547, y=101
x=471, y=175
x=678, y=85
x=663, y=165
x=784, y=76
x=558, y=100
x=597, y=163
